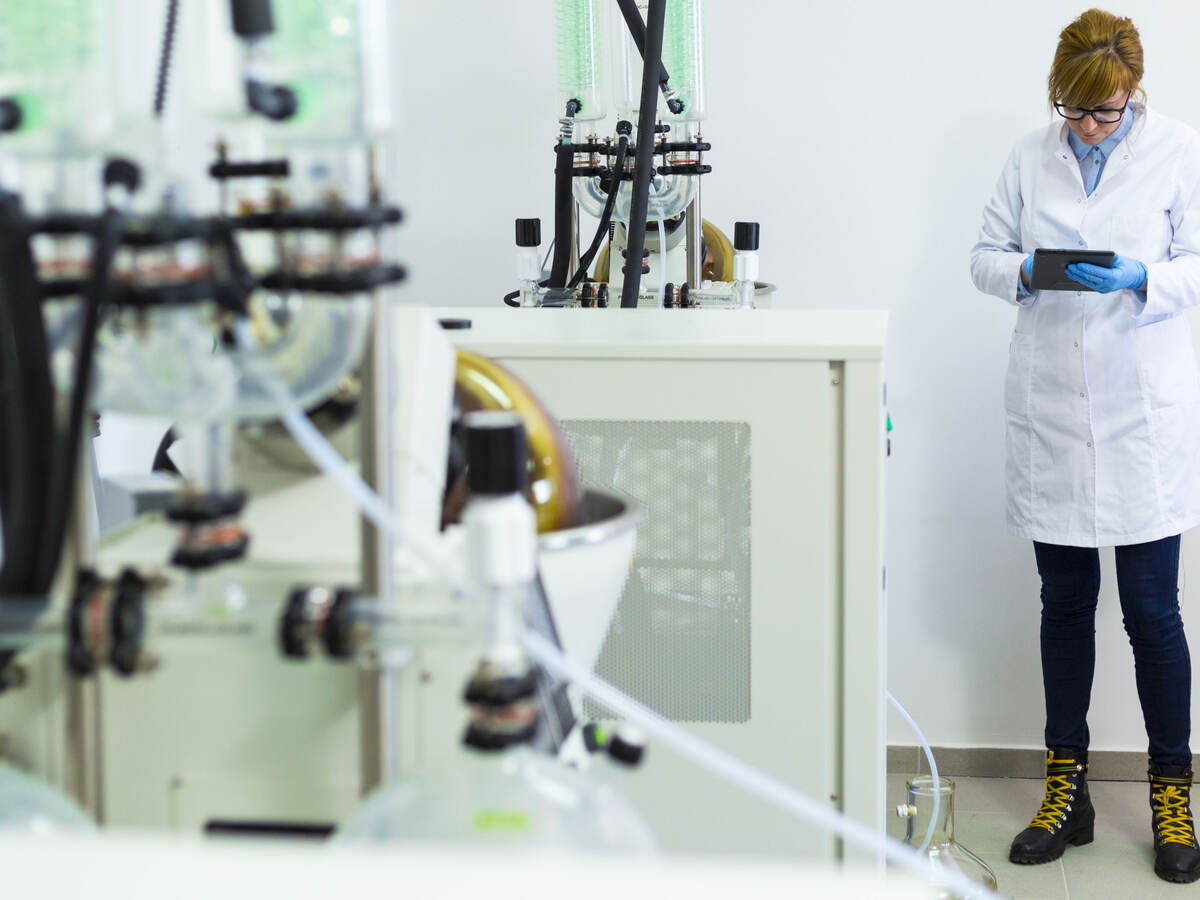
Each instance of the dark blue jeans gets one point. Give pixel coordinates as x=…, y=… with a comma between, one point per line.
x=1147, y=580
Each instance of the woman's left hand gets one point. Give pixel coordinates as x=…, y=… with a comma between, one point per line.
x=1125, y=274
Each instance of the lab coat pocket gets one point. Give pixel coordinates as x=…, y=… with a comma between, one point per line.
x=1167, y=363
x=1017, y=381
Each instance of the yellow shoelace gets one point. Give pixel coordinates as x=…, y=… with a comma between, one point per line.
x=1171, y=811
x=1058, y=789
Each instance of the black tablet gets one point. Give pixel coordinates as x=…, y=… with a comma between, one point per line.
x=1050, y=268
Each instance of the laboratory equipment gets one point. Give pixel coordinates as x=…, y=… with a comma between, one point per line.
x=944, y=852
x=643, y=187
x=767, y=641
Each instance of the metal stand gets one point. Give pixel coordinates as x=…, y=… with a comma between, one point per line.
x=83, y=729
x=378, y=751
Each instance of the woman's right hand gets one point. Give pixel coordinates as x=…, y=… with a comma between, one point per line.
x=1027, y=271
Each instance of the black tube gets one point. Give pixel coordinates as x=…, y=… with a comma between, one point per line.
x=564, y=204
x=26, y=404
x=66, y=461
x=614, y=187
x=655, y=18
x=164, y=58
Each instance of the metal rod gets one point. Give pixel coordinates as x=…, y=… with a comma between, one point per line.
x=695, y=253
x=378, y=754
x=84, y=745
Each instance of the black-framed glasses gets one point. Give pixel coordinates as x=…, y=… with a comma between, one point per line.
x=1101, y=116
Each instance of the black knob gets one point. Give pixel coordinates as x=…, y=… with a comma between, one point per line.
x=123, y=172
x=745, y=235
x=497, y=461
x=627, y=746
x=529, y=232
x=624, y=127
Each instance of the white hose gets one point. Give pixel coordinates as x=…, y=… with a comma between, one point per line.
x=662, y=253
x=329, y=461
x=933, y=770
x=739, y=773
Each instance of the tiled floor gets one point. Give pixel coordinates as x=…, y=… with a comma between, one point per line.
x=1118, y=865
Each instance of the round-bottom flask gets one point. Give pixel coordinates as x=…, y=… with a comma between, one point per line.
x=514, y=798
x=33, y=807
x=943, y=851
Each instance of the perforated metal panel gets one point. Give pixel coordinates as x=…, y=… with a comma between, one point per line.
x=680, y=638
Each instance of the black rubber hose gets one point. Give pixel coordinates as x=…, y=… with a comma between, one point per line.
x=564, y=201
x=637, y=30
x=26, y=404
x=164, y=58
x=66, y=461
x=644, y=159
x=614, y=187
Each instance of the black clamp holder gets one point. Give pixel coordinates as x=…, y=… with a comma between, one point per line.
x=211, y=535
x=106, y=622
x=504, y=705
x=315, y=614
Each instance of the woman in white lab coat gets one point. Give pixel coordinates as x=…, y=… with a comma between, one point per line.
x=1102, y=405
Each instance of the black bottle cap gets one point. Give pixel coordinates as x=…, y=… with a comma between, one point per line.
x=496, y=456
x=123, y=172
x=745, y=235
x=529, y=232
x=252, y=18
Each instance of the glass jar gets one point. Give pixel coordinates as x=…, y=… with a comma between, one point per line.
x=937, y=842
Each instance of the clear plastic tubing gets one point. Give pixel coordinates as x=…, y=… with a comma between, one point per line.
x=683, y=57
x=937, y=797
x=732, y=769
x=579, y=32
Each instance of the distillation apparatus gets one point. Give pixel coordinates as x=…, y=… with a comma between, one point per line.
x=257, y=314
x=642, y=182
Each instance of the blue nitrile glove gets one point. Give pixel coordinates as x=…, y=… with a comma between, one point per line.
x=1125, y=274
x=1024, y=289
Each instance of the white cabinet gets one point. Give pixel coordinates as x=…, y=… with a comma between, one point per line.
x=754, y=610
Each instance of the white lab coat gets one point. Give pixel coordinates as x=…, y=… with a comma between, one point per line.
x=1102, y=397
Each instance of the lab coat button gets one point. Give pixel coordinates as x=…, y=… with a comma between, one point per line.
x=1081, y=394
x=1089, y=443
x=1077, y=345
x=1082, y=244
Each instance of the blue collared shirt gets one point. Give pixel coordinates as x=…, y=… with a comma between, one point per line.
x=1092, y=158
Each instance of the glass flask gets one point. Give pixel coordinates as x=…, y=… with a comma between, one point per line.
x=33, y=807
x=939, y=845
x=517, y=797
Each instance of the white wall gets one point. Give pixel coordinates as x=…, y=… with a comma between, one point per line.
x=865, y=137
